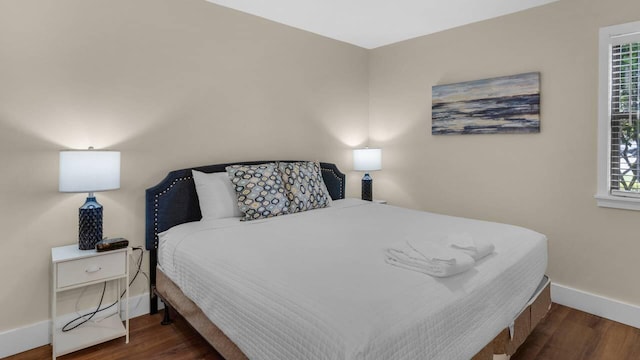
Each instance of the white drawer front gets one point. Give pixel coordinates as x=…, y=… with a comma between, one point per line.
x=94, y=268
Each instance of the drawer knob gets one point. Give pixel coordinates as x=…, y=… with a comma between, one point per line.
x=92, y=269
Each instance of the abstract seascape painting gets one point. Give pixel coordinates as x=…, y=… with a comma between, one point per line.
x=502, y=105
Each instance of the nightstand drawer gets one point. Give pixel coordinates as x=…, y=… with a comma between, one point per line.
x=93, y=268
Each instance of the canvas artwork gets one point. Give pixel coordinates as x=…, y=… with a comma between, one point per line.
x=508, y=104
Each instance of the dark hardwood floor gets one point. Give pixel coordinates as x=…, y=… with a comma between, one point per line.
x=147, y=340
x=565, y=334
x=569, y=334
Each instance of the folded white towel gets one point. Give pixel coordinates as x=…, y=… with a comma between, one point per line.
x=475, y=247
x=431, y=251
x=428, y=258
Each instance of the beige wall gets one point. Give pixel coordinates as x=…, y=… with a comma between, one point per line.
x=169, y=83
x=543, y=181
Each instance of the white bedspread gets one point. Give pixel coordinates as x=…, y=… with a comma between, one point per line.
x=314, y=285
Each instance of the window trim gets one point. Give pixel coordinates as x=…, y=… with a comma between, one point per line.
x=603, y=196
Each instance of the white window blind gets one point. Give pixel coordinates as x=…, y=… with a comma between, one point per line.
x=619, y=117
x=624, y=117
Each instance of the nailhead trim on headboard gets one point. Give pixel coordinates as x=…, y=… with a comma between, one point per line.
x=339, y=180
x=156, y=204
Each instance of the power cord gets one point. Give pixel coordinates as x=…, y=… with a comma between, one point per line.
x=66, y=327
x=86, y=317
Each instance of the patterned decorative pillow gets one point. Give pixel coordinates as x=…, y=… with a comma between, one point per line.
x=304, y=184
x=259, y=189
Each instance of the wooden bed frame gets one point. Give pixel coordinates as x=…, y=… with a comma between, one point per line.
x=174, y=201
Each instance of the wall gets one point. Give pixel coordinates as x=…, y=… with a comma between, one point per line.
x=543, y=181
x=169, y=83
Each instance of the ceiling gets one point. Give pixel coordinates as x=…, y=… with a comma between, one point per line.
x=373, y=23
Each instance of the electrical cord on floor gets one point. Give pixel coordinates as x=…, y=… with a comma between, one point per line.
x=86, y=317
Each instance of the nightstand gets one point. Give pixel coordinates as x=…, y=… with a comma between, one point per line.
x=73, y=268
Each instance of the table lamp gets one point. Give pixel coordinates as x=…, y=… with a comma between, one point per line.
x=367, y=160
x=89, y=171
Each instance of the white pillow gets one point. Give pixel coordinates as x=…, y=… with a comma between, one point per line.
x=216, y=195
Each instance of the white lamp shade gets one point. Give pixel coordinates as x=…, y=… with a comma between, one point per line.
x=89, y=170
x=367, y=159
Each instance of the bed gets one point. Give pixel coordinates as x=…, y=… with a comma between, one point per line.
x=313, y=285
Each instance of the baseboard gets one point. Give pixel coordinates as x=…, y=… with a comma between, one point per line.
x=25, y=338
x=28, y=337
x=597, y=305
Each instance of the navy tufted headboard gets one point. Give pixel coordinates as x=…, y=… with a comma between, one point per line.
x=174, y=201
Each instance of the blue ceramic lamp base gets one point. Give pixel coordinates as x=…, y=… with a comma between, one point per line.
x=90, y=228
x=367, y=187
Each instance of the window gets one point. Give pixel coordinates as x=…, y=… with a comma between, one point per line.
x=619, y=117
